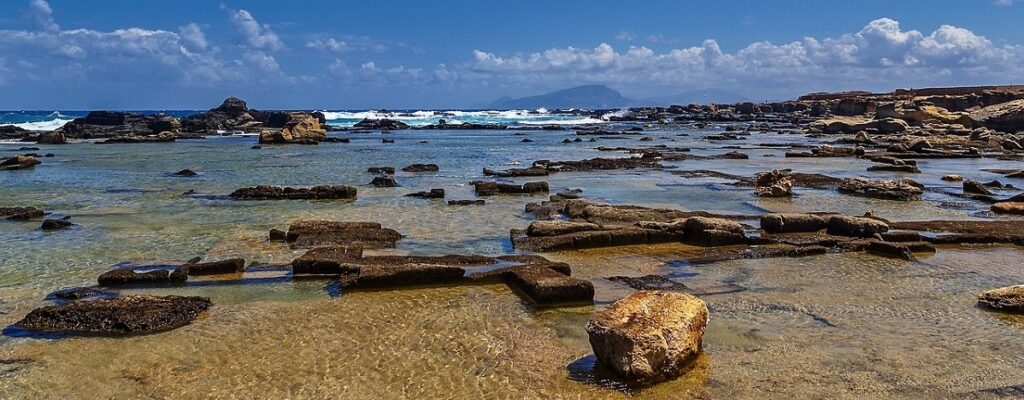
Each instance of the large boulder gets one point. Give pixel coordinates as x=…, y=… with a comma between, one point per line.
x=649, y=336
x=301, y=128
x=1009, y=298
x=1006, y=117
x=8, y=132
x=773, y=184
x=704, y=231
x=55, y=137
x=129, y=315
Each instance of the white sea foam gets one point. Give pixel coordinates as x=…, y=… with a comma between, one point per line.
x=47, y=125
x=455, y=117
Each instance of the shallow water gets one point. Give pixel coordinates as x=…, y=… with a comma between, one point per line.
x=840, y=326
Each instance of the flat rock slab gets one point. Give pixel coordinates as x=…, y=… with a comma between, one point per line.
x=322, y=192
x=125, y=276
x=312, y=233
x=649, y=282
x=229, y=266
x=328, y=260
x=493, y=188
x=129, y=315
x=544, y=285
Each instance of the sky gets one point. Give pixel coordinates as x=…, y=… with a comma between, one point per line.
x=191, y=54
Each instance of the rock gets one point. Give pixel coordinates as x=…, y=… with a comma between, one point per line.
x=186, y=173
x=705, y=231
x=1008, y=207
x=556, y=228
x=128, y=315
x=12, y=132
x=517, y=172
x=492, y=188
x=432, y=194
x=843, y=225
x=229, y=266
x=19, y=162
x=649, y=336
x=329, y=260
x=901, y=250
x=55, y=137
x=466, y=202
x=277, y=235
x=383, y=124
x=852, y=125
x=899, y=189
x=649, y=282
x=124, y=276
x=311, y=233
x=301, y=128
x=421, y=168
x=952, y=178
x=910, y=169
x=162, y=137
x=787, y=223
x=603, y=164
x=387, y=140
x=117, y=124
x=1011, y=145
x=773, y=184
x=381, y=170
x=384, y=181
x=546, y=286
x=1005, y=117
x=56, y=224
x=322, y=192
x=1010, y=298
x=231, y=115
x=78, y=293
x=975, y=187
x=20, y=213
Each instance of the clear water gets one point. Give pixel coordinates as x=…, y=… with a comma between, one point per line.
x=893, y=328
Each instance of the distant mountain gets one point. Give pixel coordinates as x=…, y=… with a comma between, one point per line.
x=589, y=96
x=699, y=96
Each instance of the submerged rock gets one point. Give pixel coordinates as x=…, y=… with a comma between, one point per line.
x=186, y=173
x=649, y=336
x=466, y=202
x=649, y=282
x=432, y=194
x=322, y=192
x=228, y=266
x=384, y=181
x=1009, y=298
x=381, y=170
x=128, y=315
x=56, y=224
x=493, y=188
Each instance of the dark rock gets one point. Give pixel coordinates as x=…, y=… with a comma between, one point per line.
x=383, y=124
x=329, y=260
x=466, y=202
x=421, y=168
x=975, y=187
x=384, y=181
x=492, y=188
x=387, y=140
x=786, y=223
x=124, y=276
x=229, y=266
x=114, y=124
x=20, y=213
x=78, y=293
x=323, y=192
x=232, y=115
x=910, y=169
x=186, y=172
x=277, y=235
x=128, y=315
x=56, y=224
x=55, y=137
x=432, y=194
x=649, y=282
x=517, y=172
x=544, y=285
x=381, y=170
x=311, y=233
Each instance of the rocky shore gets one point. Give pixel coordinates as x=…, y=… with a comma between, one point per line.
x=655, y=332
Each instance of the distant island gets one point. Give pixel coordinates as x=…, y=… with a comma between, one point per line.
x=603, y=97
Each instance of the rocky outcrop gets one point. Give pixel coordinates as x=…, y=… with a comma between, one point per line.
x=852, y=125
x=898, y=189
x=649, y=336
x=1010, y=298
x=844, y=225
x=231, y=115
x=322, y=192
x=1006, y=117
x=300, y=128
x=19, y=162
x=788, y=223
x=384, y=181
x=222, y=267
x=773, y=184
x=312, y=233
x=12, y=132
x=112, y=124
x=1008, y=207
x=920, y=114
x=127, y=276
x=129, y=315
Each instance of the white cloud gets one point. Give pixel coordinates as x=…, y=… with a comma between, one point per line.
x=1003, y=2
x=328, y=44
x=880, y=54
x=256, y=35
x=194, y=36
x=42, y=15
x=625, y=36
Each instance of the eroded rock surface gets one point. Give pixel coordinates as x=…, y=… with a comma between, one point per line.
x=128, y=315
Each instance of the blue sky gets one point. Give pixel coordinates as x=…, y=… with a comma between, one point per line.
x=81, y=54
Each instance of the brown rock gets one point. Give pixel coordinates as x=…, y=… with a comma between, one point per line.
x=1010, y=298
x=128, y=315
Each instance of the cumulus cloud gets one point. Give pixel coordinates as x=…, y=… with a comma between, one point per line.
x=41, y=14
x=255, y=35
x=881, y=53
x=193, y=35
x=328, y=44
